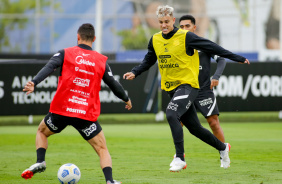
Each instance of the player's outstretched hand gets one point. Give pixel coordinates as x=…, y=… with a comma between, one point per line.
x=128, y=105
x=29, y=87
x=214, y=83
x=129, y=76
x=247, y=61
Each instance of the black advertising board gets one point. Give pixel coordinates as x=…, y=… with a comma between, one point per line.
x=242, y=87
x=15, y=102
x=255, y=87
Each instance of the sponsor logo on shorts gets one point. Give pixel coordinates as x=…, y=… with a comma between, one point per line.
x=49, y=122
x=188, y=105
x=77, y=111
x=170, y=84
x=172, y=106
x=90, y=130
x=205, y=102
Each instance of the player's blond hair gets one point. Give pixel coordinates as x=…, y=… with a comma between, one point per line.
x=164, y=10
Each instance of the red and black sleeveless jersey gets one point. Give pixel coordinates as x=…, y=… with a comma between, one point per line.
x=79, y=84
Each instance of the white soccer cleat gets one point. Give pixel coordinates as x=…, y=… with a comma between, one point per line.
x=224, y=155
x=177, y=165
x=221, y=164
x=35, y=168
x=115, y=182
x=174, y=160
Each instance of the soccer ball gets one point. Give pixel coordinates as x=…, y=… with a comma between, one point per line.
x=69, y=174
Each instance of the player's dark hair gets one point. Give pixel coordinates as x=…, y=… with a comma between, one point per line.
x=188, y=17
x=86, y=32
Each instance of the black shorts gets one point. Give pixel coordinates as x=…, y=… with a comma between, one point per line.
x=87, y=129
x=182, y=98
x=206, y=103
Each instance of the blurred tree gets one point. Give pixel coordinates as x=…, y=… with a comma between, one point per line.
x=10, y=7
x=135, y=39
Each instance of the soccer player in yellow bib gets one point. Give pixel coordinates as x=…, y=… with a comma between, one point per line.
x=178, y=62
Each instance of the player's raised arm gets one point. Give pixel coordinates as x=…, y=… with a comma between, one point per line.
x=195, y=42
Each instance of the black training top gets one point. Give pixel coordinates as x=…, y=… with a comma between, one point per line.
x=57, y=61
x=205, y=68
x=192, y=42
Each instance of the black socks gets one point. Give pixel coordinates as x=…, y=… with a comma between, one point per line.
x=40, y=155
x=108, y=174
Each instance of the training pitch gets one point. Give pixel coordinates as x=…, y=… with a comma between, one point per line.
x=141, y=154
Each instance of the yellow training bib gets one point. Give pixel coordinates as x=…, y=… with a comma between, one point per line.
x=176, y=67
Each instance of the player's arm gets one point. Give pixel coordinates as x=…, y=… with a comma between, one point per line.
x=195, y=42
x=116, y=87
x=148, y=61
x=55, y=62
x=221, y=63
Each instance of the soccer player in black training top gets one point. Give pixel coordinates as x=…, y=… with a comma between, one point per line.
x=178, y=61
x=206, y=101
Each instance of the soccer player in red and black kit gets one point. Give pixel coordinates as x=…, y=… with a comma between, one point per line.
x=76, y=101
x=206, y=101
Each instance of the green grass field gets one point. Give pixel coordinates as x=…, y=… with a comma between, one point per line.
x=142, y=154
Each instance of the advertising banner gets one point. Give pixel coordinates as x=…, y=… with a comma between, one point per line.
x=242, y=87
x=255, y=87
x=15, y=102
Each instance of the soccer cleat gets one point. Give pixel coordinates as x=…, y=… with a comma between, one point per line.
x=35, y=168
x=221, y=164
x=115, y=182
x=177, y=165
x=174, y=159
x=224, y=155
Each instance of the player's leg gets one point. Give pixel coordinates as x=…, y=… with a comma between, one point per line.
x=93, y=134
x=215, y=127
x=207, y=105
x=99, y=144
x=47, y=127
x=191, y=121
x=180, y=102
